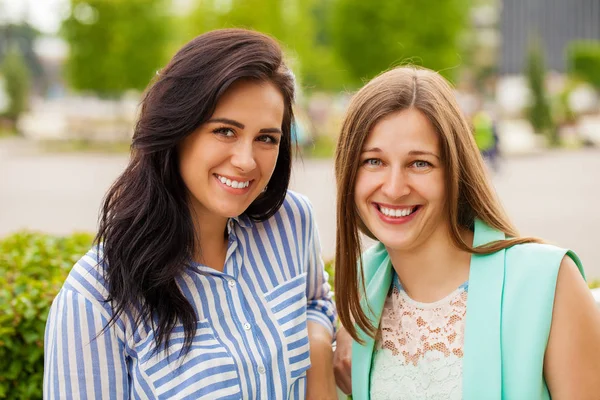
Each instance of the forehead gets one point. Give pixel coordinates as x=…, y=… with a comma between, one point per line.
x=403, y=131
x=251, y=99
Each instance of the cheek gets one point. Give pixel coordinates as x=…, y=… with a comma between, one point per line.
x=267, y=162
x=185, y=167
x=433, y=188
x=361, y=188
x=364, y=188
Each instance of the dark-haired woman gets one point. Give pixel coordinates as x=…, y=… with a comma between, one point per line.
x=206, y=280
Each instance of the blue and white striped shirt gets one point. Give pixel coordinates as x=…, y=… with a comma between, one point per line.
x=251, y=338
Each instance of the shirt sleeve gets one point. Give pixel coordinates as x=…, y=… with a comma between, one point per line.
x=321, y=307
x=81, y=360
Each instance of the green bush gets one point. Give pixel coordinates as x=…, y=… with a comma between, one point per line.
x=583, y=58
x=33, y=267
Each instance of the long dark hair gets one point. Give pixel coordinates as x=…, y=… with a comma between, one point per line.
x=145, y=226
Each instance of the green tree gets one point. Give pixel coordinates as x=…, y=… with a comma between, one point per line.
x=539, y=111
x=297, y=24
x=115, y=45
x=372, y=36
x=16, y=83
x=23, y=35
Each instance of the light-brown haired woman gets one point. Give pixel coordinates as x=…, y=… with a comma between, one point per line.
x=451, y=303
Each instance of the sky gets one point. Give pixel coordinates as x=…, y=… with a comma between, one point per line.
x=45, y=15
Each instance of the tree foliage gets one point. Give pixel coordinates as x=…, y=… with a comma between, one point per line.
x=583, y=57
x=299, y=25
x=539, y=111
x=17, y=81
x=372, y=36
x=115, y=45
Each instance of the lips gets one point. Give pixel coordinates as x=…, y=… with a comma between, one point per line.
x=232, y=182
x=396, y=214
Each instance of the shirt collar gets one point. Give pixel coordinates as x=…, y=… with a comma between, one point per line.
x=242, y=220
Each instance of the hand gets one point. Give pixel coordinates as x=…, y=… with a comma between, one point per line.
x=342, y=361
x=320, y=383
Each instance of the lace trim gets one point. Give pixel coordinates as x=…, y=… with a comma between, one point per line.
x=411, y=330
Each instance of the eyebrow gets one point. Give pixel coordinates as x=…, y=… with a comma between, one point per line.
x=423, y=153
x=240, y=125
x=412, y=152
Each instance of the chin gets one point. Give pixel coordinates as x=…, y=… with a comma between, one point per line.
x=392, y=241
x=229, y=212
x=234, y=213
x=395, y=245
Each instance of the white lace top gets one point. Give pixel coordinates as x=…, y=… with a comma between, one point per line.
x=419, y=348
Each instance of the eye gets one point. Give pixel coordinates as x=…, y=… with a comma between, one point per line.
x=372, y=162
x=224, y=131
x=268, y=139
x=420, y=164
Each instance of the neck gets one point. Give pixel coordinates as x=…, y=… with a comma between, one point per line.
x=435, y=268
x=211, y=241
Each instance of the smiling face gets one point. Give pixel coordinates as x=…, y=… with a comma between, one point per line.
x=227, y=162
x=400, y=191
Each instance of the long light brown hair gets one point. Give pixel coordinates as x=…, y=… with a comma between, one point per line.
x=469, y=192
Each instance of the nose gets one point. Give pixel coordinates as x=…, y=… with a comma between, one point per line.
x=396, y=184
x=243, y=157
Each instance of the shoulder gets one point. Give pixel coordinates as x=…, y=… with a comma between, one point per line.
x=297, y=204
x=86, y=289
x=571, y=363
x=293, y=222
x=532, y=271
x=536, y=258
x=86, y=279
x=296, y=213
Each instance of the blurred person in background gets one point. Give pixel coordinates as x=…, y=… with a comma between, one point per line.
x=206, y=280
x=450, y=303
x=486, y=137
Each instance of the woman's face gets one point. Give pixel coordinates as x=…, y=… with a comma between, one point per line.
x=227, y=162
x=400, y=189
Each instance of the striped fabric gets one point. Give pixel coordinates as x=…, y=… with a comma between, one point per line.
x=251, y=335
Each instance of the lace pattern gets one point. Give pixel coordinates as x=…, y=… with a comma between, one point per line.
x=419, y=347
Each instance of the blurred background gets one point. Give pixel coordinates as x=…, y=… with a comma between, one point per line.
x=526, y=74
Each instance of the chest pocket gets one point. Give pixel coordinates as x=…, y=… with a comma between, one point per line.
x=206, y=371
x=288, y=305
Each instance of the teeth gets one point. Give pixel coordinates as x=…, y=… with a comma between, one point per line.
x=396, y=212
x=233, y=184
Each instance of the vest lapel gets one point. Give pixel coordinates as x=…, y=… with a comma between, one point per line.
x=377, y=290
x=482, y=362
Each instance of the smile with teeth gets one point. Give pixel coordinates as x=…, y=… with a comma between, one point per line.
x=396, y=212
x=233, y=184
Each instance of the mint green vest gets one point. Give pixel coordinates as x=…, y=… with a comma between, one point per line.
x=509, y=313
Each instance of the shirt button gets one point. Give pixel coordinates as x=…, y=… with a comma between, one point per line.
x=247, y=326
x=261, y=370
x=231, y=283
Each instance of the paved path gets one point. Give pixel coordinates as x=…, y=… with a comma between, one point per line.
x=555, y=195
